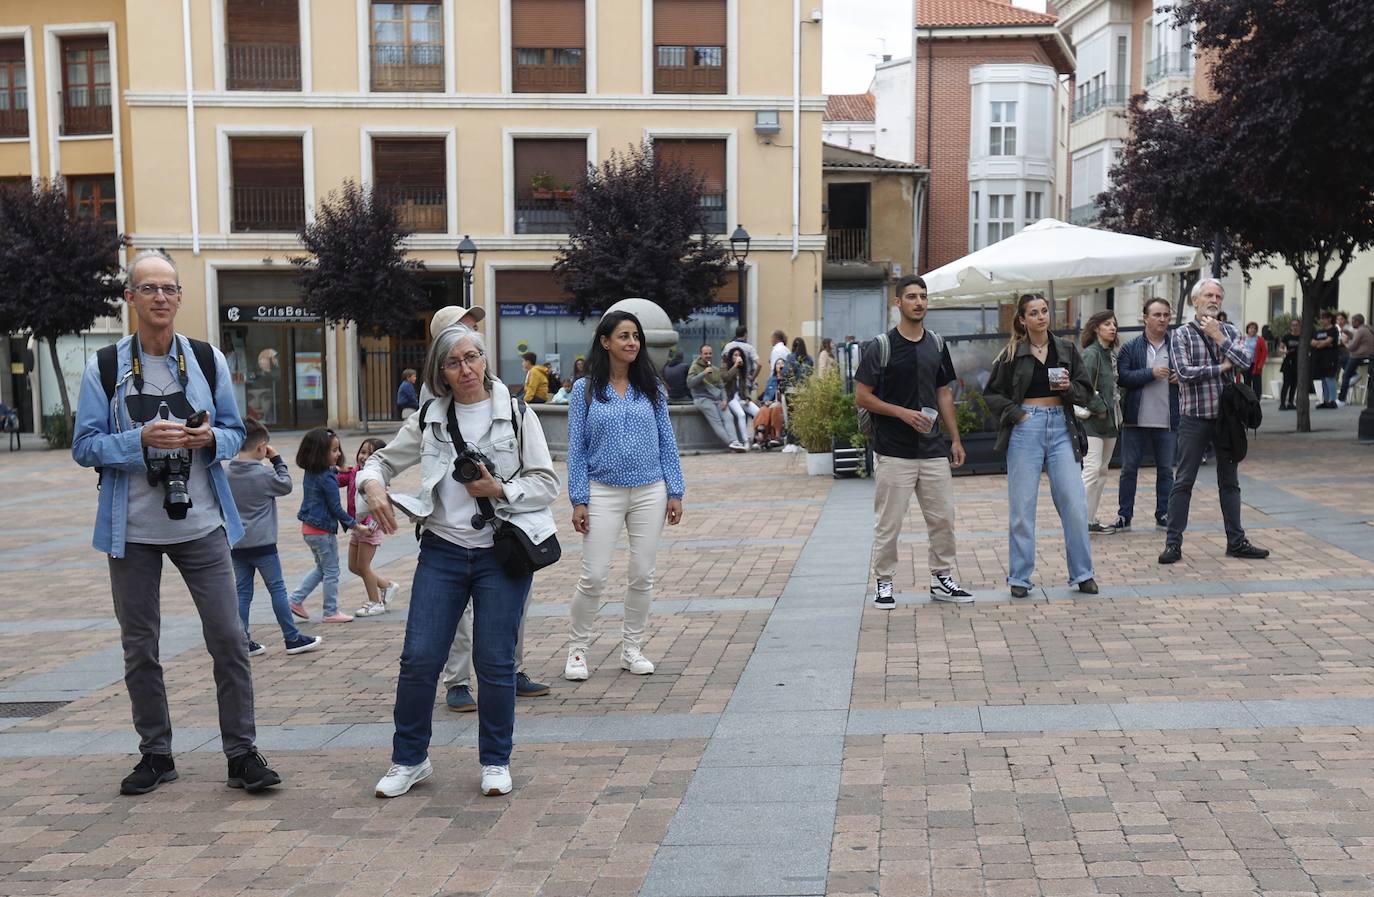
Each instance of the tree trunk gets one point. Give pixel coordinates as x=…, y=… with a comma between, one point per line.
x=1312, y=293
x=61, y=383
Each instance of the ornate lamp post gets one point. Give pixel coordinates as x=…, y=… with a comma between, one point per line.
x=467, y=263
x=739, y=251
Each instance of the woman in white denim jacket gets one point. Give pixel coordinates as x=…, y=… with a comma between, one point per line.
x=457, y=561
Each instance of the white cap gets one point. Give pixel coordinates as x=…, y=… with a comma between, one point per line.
x=450, y=315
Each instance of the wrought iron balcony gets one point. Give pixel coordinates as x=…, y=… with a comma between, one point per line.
x=80, y=116
x=421, y=210
x=405, y=67
x=14, y=122
x=542, y=216
x=262, y=66
x=549, y=70
x=275, y=209
x=685, y=69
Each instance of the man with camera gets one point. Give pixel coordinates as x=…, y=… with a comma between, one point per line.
x=156, y=415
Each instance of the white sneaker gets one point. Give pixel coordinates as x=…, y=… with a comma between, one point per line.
x=737, y=447
x=575, y=670
x=370, y=609
x=495, y=780
x=882, y=595
x=943, y=587
x=632, y=660
x=399, y=779
x=390, y=592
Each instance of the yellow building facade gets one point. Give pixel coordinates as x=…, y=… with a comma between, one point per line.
x=473, y=118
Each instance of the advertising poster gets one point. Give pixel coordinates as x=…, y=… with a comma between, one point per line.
x=309, y=376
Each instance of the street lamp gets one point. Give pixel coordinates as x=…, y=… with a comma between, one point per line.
x=739, y=250
x=467, y=263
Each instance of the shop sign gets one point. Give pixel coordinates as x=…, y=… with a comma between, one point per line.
x=267, y=314
x=555, y=310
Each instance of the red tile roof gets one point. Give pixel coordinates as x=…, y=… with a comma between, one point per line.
x=849, y=107
x=972, y=13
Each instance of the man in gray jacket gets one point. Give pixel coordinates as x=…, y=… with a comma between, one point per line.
x=708, y=394
x=255, y=488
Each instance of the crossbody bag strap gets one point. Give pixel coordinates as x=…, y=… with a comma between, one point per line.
x=484, y=506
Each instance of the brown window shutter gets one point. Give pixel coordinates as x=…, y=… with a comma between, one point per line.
x=262, y=21
x=565, y=159
x=409, y=162
x=548, y=23
x=705, y=157
x=266, y=162
x=11, y=51
x=528, y=286
x=691, y=23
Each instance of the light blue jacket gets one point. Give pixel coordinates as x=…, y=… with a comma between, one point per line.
x=104, y=438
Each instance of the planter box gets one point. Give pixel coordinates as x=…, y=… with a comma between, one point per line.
x=819, y=464
x=847, y=461
x=980, y=455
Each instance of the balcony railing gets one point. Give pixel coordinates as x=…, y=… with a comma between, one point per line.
x=683, y=69
x=847, y=244
x=86, y=118
x=542, y=216
x=549, y=70
x=714, y=206
x=277, y=209
x=417, y=67
x=1099, y=98
x=421, y=210
x=1167, y=65
x=262, y=66
x=14, y=122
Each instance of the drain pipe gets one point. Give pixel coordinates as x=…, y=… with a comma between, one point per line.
x=190, y=125
x=796, y=128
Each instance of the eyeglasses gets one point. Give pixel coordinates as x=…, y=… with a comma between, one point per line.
x=469, y=361
x=149, y=290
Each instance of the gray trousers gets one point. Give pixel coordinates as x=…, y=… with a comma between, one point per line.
x=715, y=417
x=1195, y=435
x=458, y=670
x=136, y=583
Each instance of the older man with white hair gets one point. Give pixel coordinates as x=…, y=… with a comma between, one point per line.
x=1204, y=353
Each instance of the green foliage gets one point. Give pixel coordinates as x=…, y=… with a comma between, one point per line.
x=845, y=426
x=638, y=230
x=972, y=413
x=359, y=272
x=57, y=429
x=1279, y=325
x=817, y=408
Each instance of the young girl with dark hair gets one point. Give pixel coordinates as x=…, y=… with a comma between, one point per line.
x=362, y=545
x=320, y=516
x=623, y=472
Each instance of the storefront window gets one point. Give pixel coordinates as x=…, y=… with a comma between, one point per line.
x=275, y=350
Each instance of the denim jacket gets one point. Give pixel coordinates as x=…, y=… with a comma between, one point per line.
x=104, y=437
x=427, y=443
x=320, y=505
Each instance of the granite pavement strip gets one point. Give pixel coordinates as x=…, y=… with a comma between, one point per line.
x=795, y=786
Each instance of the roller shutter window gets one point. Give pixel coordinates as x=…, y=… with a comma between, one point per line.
x=689, y=46
x=262, y=45
x=529, y=286
x=411, y=174
x=548, y=41
x=707, y=159
x=545, y=170
x=267, y=183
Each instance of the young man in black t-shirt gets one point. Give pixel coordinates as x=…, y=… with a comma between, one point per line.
x=907, y=398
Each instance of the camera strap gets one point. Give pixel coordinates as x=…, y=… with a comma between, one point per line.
x=485, y=512
x=136, y=363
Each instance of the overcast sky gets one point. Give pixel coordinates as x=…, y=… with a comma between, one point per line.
x=857, y=33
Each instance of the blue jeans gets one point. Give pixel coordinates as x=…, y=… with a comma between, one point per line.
x=446, y=577
x=1328, y=389
x=1041, y=442
x=1133, y=442
x=326, y=551
x=1351, y=366
x=269, y=565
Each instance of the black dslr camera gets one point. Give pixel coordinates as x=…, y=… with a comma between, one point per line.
x=172, y=470
x=465, y=466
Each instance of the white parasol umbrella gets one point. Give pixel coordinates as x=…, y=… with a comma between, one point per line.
x=1060, y=256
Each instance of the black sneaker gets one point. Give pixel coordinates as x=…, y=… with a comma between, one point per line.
x=254, y=649
x=304, y=644
x=1100, y=530
x=151, y=771
x=251, y=773
x=882, y=596
x=525, y=687
x=459, y=699
x=1162, y=522
x=1248, y=551
x=1088, y=586
x=1121, y=524
x=1171, y=554
x=1019, y=591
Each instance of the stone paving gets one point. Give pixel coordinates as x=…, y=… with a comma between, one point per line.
x=1201, y=729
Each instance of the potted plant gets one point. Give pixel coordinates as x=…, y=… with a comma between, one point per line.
x=978, y=432
x=813, y=409
x=847, y=443
x=541, y=185
x=565, y=192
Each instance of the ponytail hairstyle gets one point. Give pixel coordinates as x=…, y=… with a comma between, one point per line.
x=1018, y=326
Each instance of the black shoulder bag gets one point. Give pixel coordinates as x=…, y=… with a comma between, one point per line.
x=516, y=552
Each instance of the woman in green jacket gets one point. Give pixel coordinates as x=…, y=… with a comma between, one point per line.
x=1100, y=344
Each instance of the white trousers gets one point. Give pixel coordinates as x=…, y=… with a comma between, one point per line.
x=639, y=510
x=741, y=410
x=1095, y=465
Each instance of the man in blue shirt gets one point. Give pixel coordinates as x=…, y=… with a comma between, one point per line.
x=164, y=493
